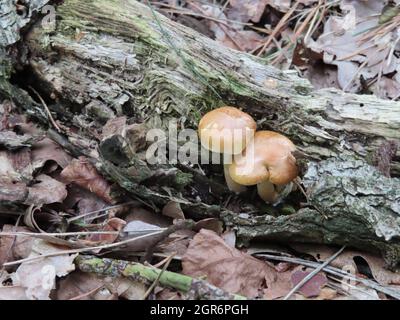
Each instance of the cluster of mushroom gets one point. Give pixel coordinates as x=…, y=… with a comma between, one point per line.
x=262, y=158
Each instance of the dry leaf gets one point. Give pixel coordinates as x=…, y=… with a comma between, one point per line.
x=82, y=286
x=12, y=293
x=359, y=60
x=246, y=10
x=176, y=242
x=278, y=285
x=83, y=173
x=37, y=278
x=327, y=294
x=47, y=190
x=126, y=288
x=47, y=150
x=173, y=210
x=14, y=248
x=13, y=192
x=15, y=166
x=148, y=217
x=225, y=267
x=113, y=224
x=312, y=287
x=346, y=260
x=210, y=224
x=168, y=294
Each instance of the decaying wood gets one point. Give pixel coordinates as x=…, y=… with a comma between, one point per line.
x=110, y=58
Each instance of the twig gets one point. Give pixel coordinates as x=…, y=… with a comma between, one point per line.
x=47, y=109
x=197, y=289
x=83, y=215
x=313, y=273
x=166, y=264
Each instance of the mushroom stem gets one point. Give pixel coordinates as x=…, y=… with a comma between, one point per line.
x=232, y=185
x=266, y=191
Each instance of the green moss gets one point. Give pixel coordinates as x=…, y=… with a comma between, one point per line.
x=5, y=66
x=92, y=16
x=183, y=179
x=304, y=91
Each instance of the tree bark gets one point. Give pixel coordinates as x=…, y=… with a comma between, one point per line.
x=113, y=58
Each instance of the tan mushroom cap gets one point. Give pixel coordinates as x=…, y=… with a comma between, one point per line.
x=272, y=160
x=226, y=130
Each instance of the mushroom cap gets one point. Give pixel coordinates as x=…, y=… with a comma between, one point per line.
x=267, y=157
x=226, y=130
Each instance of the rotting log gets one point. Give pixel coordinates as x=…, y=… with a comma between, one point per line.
x=111, y=58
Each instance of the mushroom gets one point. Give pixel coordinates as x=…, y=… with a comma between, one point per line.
x=227, y=130
x=268, y=163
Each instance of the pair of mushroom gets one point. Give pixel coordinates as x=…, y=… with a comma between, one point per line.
x=262, y=158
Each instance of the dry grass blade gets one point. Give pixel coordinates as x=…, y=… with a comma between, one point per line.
x=86, y=214
x=58, y=253
x=278, y=28
x=61, y=234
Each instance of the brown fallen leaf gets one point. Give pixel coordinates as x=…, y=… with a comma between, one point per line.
x=81, y=286
x=210, y=224
x=173, y=210
x=47, y=190
x=246, y=10
x=83, y=173
x=176, y=242
x=229, y=237
x=327, y=294
x=126, y=288
x=168, y=294
x=312, y=287
x=147, y=216
x=14, y=248
x=12, y=293
x=80, y=201
x=113, y=224
x=13, y=192
x=225, y=267
x=37, y=278
x=47, y=150
x=15, y=166
x=278, y=285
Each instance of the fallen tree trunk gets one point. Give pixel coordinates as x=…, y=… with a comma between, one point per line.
x=111, y=58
